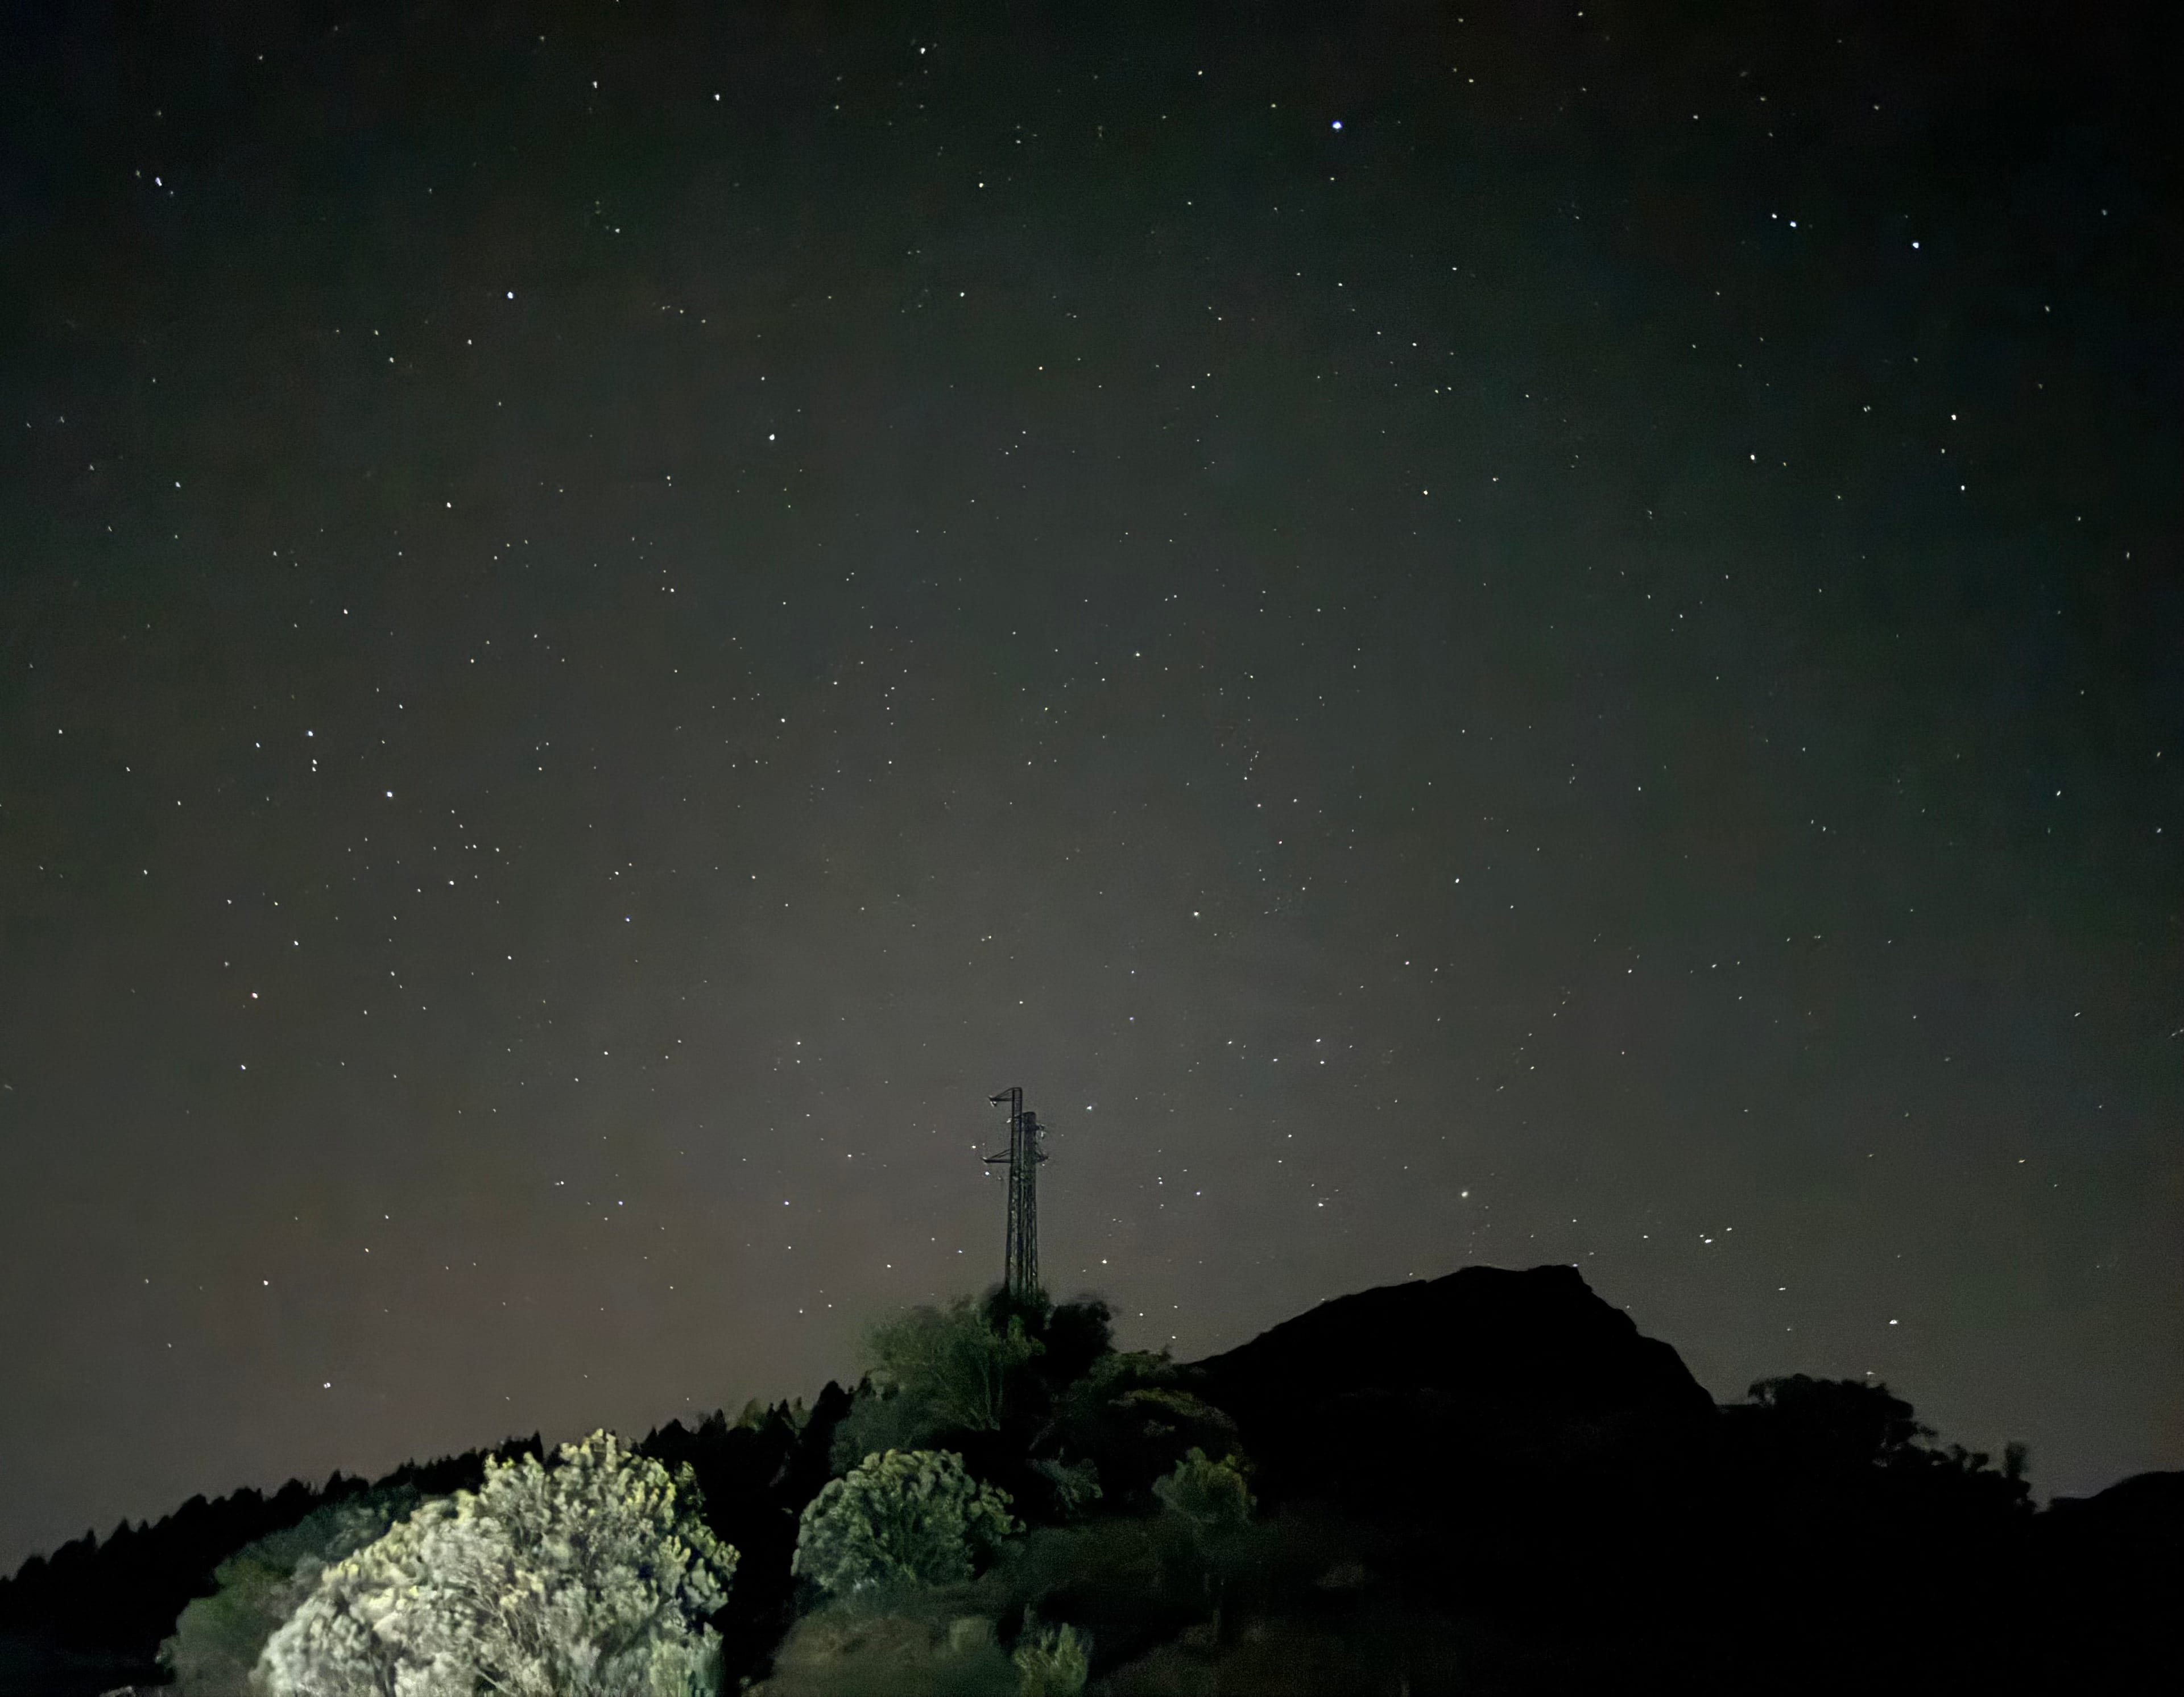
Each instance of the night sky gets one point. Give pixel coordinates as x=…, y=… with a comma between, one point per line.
x=1513, y=634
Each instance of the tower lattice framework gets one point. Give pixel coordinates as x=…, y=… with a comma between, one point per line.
x=1020, y=1272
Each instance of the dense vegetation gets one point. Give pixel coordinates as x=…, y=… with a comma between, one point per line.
x=1486, y=1483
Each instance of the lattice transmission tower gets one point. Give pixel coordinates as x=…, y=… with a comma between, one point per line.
x=1021, y=1273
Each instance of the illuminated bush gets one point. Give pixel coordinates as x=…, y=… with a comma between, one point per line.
x=218, y=1638
x=1051, y=1661
x=1207, y=1494
x=589, y=1578
x=905, y=1517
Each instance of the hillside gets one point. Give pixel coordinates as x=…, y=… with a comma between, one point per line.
x=1486, y=1482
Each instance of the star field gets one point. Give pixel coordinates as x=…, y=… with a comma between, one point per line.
x=1525, y=636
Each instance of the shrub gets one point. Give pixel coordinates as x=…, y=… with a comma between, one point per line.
x=909, y=1517
x=1051, y=1661
x=589, y=1578
x=933, y=1371
x=1207, y=1493
x=217, y=1639
x=848, y=1650
x=953, y=1362
x=1078, y=1336
x=1840, y=1422
x=880, y=1420
x=1132, y=1417
x=1074, y=1486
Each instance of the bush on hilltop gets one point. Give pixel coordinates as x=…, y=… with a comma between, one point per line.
x=909, y=1517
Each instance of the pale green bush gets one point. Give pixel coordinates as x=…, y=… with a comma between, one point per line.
x=1076, y=1485
x=1207, y=1493
x=1051, y=1661
x=910, y=1517
x=592, y=1577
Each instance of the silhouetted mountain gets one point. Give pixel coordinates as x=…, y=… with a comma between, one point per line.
x=1530, y=1367
x=2143, y=1514
x=1538, y=1344
x=2110, y=1570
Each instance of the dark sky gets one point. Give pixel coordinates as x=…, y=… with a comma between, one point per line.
x=1517, y=634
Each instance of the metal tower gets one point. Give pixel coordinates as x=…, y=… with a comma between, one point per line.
x=1020, y=1274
